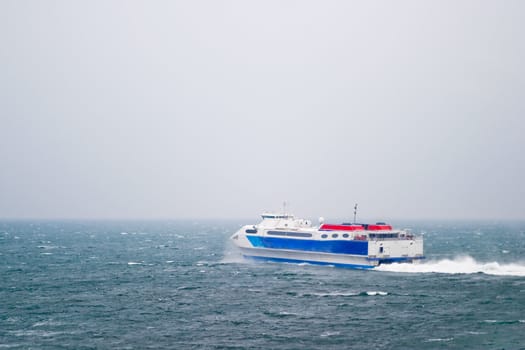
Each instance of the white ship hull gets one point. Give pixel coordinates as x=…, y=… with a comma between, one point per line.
x=298, y=257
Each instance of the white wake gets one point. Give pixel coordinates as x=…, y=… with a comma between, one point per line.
x=458, y=265
x=232, y=255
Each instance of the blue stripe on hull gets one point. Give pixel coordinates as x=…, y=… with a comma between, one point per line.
x=329, y=246
x=295, y=261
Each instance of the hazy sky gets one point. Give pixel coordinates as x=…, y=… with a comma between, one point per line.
x=189, y=109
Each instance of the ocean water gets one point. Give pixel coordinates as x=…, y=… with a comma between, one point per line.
x=181, y=285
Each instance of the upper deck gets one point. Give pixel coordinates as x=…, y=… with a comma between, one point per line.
x=273, y=223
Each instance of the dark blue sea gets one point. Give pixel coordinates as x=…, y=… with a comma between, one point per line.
x=180, y=285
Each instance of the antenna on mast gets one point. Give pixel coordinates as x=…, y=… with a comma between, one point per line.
x=355, y=212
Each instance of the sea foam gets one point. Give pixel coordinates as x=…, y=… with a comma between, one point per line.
x=458, y=265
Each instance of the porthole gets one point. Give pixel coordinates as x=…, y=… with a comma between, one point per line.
x=345, y=235
x=324, y=236
x=335, y=235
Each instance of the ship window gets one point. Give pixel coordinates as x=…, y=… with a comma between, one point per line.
x=252, y=231
x=345, y=235
x=324, y=236
x=381, y=249
x=276, y=233
x=271, y=216
x=289, y=234
x=335, y=235
x=298, y=234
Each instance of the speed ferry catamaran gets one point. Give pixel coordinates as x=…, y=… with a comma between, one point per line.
x=285, y=238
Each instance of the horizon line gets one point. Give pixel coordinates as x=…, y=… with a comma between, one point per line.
x=36, y=218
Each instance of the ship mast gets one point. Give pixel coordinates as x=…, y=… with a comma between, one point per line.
x=355, y=212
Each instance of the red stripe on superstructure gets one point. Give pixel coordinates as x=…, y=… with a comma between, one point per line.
x=330, y=227
x=379, y=227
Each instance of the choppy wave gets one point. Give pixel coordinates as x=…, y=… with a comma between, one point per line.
x=162, y=299
x=346, y=294
x=459, y=265
x=335, y=294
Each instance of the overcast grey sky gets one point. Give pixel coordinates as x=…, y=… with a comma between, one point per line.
x=189, y=109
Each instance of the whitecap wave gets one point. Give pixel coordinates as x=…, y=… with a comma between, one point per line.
x=374, y=293
x=329, y=334
x=431, y=340
x=285, y=313
x=458, y=265
x=47, y=323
